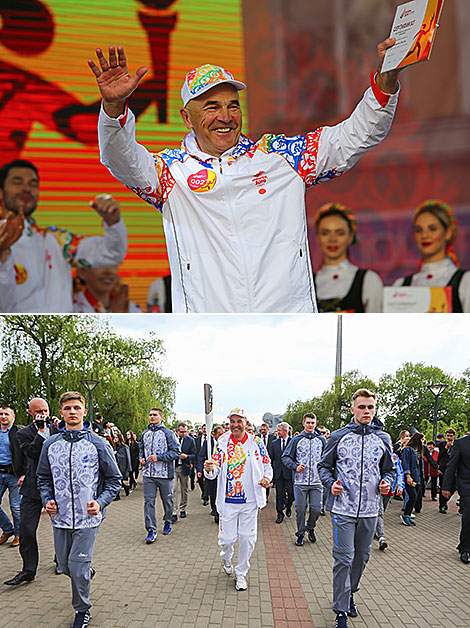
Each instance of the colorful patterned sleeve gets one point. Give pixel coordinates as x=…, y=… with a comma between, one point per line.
x=158, y=195
x=68, y=242
x=300, y=152
x=265, y=459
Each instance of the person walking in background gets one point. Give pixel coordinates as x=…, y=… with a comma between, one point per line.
x=413, y=470
x=283, y=476
x=123, y=459
x=211, y=485
x=302, y=456
x=445, y=449
x=429, y=472
x=133, y=445
x=183, y=465
x=11, y=475
x=159, y=449
x=457, y=475
x=31, y=440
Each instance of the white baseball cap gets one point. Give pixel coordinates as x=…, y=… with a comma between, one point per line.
x=237, y=412
x=206, y=77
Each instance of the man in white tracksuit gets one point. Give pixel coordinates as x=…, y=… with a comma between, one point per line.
x=242, y=466
x=35, y=262
x=234, y=210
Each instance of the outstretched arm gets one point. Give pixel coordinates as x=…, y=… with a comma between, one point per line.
x=114, y=81
x=388, y=81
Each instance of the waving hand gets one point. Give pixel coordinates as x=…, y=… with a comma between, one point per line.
x=113, y=79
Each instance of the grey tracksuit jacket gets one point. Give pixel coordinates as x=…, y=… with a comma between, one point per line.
x=360, y=456
x=76, y=467
x=306, y=449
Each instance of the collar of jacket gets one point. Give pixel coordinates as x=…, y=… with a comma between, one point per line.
x=305, y=434
x=243, y=146
x=74, y=435
x=155, y=427
x=367, y=429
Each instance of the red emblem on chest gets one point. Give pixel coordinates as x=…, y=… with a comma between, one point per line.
x=260, y=179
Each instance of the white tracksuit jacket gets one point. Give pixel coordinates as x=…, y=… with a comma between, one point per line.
x=36, y=276
x=235, y=226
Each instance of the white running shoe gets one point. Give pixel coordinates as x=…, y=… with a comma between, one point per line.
x=228, y=567
x=241, y=583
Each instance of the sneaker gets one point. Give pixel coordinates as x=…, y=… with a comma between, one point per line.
x=174, y=518
x=92, y=573
x=382, y=543
x=311, y=536
x=227, y=567
x=352, y=607
x=412, y=516
x=443, y=511
x=151, y=536
x=300, y=540
x=341, y=620
x=241, y=583
x=412, y=523
x=406, y=520
x=81, y=619
x=182, y=515
x=167, y=527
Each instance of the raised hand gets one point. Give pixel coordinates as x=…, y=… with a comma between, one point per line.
x=113, y=79
x=388, y=81
x=107, y=207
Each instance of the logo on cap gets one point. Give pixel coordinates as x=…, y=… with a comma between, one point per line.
x=202, y=181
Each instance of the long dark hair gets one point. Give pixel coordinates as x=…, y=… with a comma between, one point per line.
x=416, y=442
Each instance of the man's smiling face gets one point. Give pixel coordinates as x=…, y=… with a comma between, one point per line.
x=216, y=118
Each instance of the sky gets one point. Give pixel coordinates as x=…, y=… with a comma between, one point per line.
x=263, y=362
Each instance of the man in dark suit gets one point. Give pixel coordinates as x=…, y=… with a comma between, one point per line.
x=11, y=474
x=457, y=475
x=268, y=440
x=182, y=470
x=31, y=439
x=210, y=485
x=283, y=476
x=201, y=480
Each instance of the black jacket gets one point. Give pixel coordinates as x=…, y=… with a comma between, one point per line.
x=17, y=458
x=123, y=459
x=31, y=442
x=458, y=468
x=279, y=468
x=188, y=447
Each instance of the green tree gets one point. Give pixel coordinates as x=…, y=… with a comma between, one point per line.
x=405, y=400
x=46, y=355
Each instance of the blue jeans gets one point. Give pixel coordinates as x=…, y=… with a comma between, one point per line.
x=10, y=482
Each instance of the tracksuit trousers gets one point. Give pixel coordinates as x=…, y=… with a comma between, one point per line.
x=151, y=486
x=352, y=540
x=313, y=494
x=74, y=551
x=240, y=524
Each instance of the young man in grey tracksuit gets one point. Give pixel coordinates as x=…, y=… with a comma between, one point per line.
x=77, y=478
x=357, y=467
x=302, y=455
x=158, y=450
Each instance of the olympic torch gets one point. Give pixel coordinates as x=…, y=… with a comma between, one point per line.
x=208, y=412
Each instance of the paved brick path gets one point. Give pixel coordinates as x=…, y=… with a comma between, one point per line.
x=178, y=581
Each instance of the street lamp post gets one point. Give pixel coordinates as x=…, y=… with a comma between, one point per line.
x=436, y=390
x=90, y=384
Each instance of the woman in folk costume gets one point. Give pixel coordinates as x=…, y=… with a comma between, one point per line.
x=435, y=230
x=340, y=285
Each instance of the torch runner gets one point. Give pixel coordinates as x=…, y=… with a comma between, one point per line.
x=209, y=419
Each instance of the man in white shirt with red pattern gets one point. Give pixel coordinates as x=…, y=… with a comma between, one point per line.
x=243, y=467
x=35, y=263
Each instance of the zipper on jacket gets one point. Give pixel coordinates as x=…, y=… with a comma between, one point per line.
x=310, y=460
x=71, y=486
x=243, y=258
x=362, y=470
